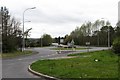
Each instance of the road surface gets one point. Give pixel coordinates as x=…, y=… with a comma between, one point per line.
x=18, y=67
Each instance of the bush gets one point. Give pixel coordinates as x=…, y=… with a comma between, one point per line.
x=116, y=45
x=46, y=40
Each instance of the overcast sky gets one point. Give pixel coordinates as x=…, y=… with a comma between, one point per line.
x=60, y=17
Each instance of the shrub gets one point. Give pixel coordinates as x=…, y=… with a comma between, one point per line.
x=116, y=45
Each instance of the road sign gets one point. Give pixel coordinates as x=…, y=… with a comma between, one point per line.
x=87, y=43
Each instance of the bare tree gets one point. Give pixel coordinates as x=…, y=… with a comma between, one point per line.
x=10, y=31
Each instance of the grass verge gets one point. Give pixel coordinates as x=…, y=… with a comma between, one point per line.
x=81, y=67
x=15, y=54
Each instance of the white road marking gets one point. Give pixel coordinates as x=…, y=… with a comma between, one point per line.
x=19, y=59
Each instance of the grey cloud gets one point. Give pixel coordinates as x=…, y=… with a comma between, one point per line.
x=41, y=17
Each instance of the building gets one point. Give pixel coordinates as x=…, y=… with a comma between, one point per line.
x=119, y=11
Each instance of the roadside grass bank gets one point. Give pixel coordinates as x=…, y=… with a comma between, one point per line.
x=100, y=64
x=15, y=54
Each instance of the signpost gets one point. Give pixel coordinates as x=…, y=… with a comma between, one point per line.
x=72, y=44
x=87, y=44
x=59, y=44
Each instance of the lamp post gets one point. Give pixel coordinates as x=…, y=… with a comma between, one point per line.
x=108, y=24
x=42, y=37
x=41, y=40
x=108, y=37
x=23, y=43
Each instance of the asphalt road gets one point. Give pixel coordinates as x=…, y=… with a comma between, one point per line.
x=18, y=67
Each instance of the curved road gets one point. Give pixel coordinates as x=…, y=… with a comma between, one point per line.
x=18, y=67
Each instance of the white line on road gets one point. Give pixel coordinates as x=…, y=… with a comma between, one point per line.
x=19, y=59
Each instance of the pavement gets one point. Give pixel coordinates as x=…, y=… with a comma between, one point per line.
x=18, y=67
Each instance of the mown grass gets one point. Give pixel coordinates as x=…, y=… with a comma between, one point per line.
x=15, y=54
x=81, y=67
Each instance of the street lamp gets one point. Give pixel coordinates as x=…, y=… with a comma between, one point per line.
x=23, y=44
x=108, y=24
x=41, y=40
x=108, y=36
